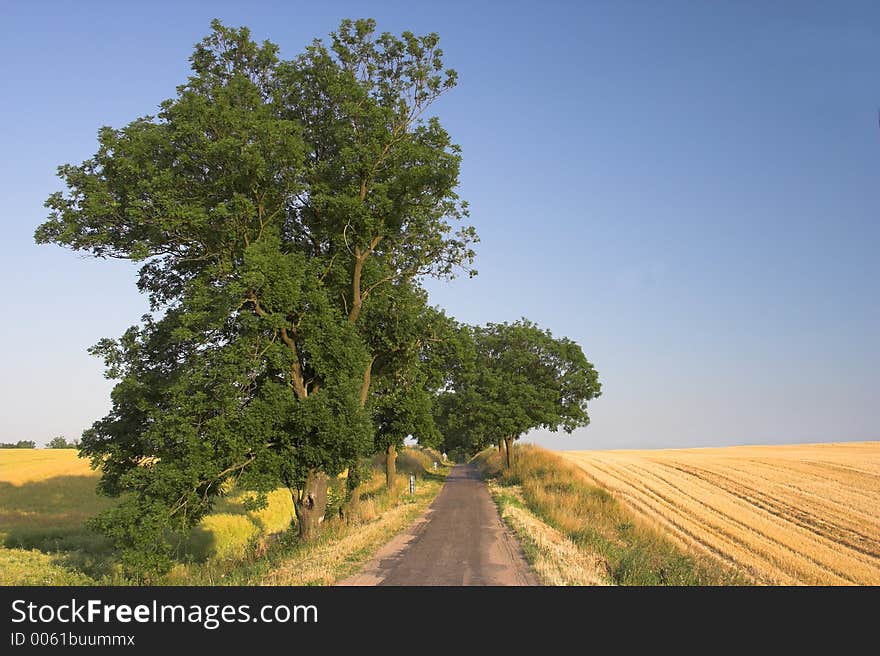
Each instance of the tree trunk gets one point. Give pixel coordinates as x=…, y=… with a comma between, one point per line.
x=349, y=509
x=311, y=504
x=390, y=465
x=500, y=446
x=365, y=383
x=508, y=443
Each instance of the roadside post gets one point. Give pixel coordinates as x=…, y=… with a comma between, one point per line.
x=412, y=485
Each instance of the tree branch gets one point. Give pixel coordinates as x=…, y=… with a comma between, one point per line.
x=296, y=374
x=365, y=385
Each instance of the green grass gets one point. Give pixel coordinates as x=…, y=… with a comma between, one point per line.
x=628, y=549
x=33, y=567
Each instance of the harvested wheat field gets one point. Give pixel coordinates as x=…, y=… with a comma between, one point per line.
x=800, y=514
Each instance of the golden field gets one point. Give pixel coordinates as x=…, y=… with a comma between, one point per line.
x=47, y=494
x=20, y=466
x=574, y=532
x=799, y=514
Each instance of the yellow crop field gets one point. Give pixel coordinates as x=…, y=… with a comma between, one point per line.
x=20, y=466
x=800, y=514
x=47, y=494
x=45, y=491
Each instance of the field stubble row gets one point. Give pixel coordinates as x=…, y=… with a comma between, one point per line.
x=801, y=514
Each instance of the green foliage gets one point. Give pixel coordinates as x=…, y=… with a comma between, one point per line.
x=283, y=213
x=60, y=443
x=381, y=205
x=412, y=344
x=380, y=178
x=20, y=567
x=519, y=377
x=21, y=444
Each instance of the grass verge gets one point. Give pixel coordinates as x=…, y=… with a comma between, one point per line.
x=575, y=533
x=345, y=549
x=553, y=556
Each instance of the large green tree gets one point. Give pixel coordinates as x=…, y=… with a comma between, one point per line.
x=379, y=200
x=380, y=203
x=270, y=204
x=521, y=378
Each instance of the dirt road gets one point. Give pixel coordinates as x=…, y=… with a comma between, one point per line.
x=459, y=541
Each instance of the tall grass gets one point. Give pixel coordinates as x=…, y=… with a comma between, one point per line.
x=630, y=550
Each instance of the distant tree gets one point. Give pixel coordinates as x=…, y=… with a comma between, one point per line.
x=21, y=444
x=60, y=442
x=455, y=425
x=522, y=378
x=460, y=412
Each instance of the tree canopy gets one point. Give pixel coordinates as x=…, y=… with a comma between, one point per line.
x=21, y=444
x=59, y=442
x=521, y=378
x=275, y=207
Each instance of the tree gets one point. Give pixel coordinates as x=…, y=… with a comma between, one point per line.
x=269, y=203
x=60, y=443
x=414, y=349
x=21, y=444
x=456, y=405
x=522, y=378
x=460, y=436
x=380, y=198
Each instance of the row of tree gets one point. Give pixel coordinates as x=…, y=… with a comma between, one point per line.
x=55, y=443
x=517, y=378
x=284, y=214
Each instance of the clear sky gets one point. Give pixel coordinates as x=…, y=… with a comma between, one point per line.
x=688, y=189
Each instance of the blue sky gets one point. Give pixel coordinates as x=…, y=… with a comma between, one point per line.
x=688, y=189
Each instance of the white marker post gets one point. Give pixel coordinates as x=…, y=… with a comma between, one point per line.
x=412, y=485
